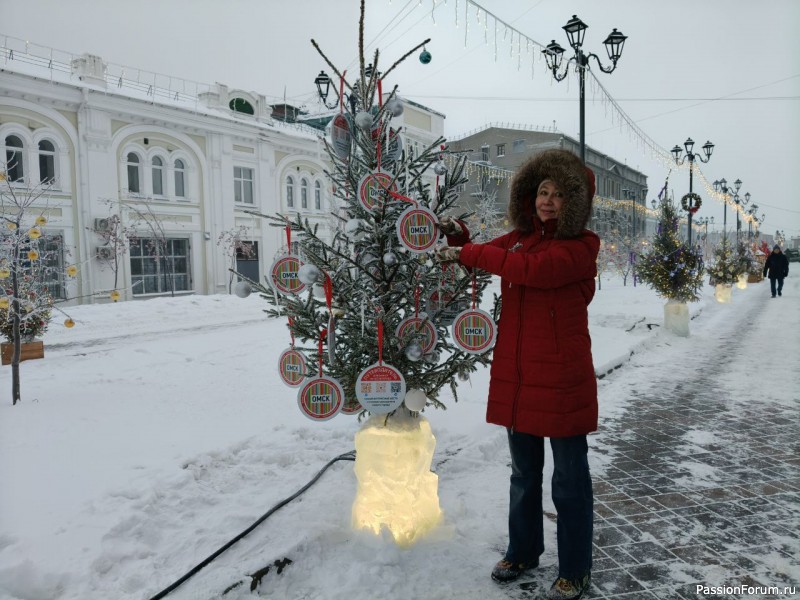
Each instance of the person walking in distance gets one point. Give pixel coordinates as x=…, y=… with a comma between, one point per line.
x=778, y=267
x=542, y=381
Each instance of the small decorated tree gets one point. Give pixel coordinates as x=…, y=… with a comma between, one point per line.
x=725, y=269
x=673, y=270
x=28, y=268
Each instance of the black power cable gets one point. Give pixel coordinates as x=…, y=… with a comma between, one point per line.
x=171, y=588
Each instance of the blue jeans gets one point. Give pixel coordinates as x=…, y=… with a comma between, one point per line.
x=572, y=496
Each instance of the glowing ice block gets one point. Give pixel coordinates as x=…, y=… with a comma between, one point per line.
x=396, y=489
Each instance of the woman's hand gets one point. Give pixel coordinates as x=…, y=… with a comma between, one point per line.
x=448, y=254
x=449, y=226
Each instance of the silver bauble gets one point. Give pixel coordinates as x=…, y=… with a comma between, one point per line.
x=309, y=274
x=364, y=120
x=414, y=352
x=440, y=168
x=415, y=400
x=395, y=106
x=242, y=289
x=390, y=259
x=463, y=376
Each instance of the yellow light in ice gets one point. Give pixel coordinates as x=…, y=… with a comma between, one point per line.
x=34, y=234
x=396, y=489
x=114, y=295
x=69, y=323
x=41, y=220
x=33, y=254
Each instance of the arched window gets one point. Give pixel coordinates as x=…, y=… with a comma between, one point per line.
x=158, y=176
x=304, y=193
x=15, y=166
x=289, y=192
x=317, y=195
x=180, y=179
x=242, y=106
x=133, y=173
x=47, y=162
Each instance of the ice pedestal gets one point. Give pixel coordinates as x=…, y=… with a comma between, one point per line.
x=742, y=283
x=676, y=318
x=723, y=293
x=396, y=489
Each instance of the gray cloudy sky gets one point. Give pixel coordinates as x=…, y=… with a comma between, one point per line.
x=721, y=70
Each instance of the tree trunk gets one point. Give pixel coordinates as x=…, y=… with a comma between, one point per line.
x=17, y=341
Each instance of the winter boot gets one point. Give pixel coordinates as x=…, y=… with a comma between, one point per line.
x=506, y=571
x=569, y=589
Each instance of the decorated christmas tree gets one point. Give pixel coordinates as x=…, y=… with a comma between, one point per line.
x=727, y=264
x=671, y=267
x=372, y=293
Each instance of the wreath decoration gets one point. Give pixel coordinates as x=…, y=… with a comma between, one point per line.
x=688, y=199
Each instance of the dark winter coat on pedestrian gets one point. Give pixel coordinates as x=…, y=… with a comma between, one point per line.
x=542, y=377
x=777, y=264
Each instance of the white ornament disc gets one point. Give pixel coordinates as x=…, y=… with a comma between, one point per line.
x=320, y=398
x=380, y=388
x=416, y=229
x=283, y=274
x=474, y=331
x=372, y=188
x=292, y=367
x=340, y=136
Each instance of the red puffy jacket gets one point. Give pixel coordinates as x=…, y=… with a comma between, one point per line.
x=542, y=376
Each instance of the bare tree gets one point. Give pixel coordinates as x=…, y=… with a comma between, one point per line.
x=233, y=244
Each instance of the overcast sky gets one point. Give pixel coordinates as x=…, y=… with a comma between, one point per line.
x=721, y=70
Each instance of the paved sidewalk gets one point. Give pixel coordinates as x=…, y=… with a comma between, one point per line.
x=702, y=484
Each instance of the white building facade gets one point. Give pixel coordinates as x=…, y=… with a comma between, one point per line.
x=121, y=157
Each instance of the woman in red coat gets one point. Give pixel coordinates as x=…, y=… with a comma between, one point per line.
x=542, y=377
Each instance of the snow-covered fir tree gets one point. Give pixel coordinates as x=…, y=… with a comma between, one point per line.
x=366, y=282
x=727, y=265
x=671, y=267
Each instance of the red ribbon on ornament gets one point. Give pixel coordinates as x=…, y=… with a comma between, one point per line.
x=322, y=336
x=291, y=333
x=289, y=237
x=380, y=92
x=328, y=287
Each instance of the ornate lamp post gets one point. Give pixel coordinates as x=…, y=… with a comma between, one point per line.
x=576, y=30
x=691, y=201
x=323, y=83
x=722, y=186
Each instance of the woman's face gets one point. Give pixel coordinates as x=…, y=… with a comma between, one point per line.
x=549, y=199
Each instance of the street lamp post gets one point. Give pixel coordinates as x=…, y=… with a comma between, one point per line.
x=323, y=83
x=722, y=186
x=708, y=148
x=576, y=30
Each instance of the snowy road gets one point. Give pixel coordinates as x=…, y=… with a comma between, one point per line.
x=135, y=459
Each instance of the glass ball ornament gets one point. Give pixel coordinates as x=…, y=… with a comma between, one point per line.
x=432, y=358
x=364, y=120
x=390, y=259
x=309, y=274
x=463, y=376
x=425, y=56
x=414, y=352
x=69, y=323
x=415, y=400
x=242, y=289
x=395, y=106
x=440, y=168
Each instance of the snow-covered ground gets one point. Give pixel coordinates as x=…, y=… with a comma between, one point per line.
x=153, y=432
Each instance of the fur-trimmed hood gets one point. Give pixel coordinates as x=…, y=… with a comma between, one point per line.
x=569, y=173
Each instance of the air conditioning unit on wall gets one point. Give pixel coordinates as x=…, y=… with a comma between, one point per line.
x=102, y=225
x=104, y=252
